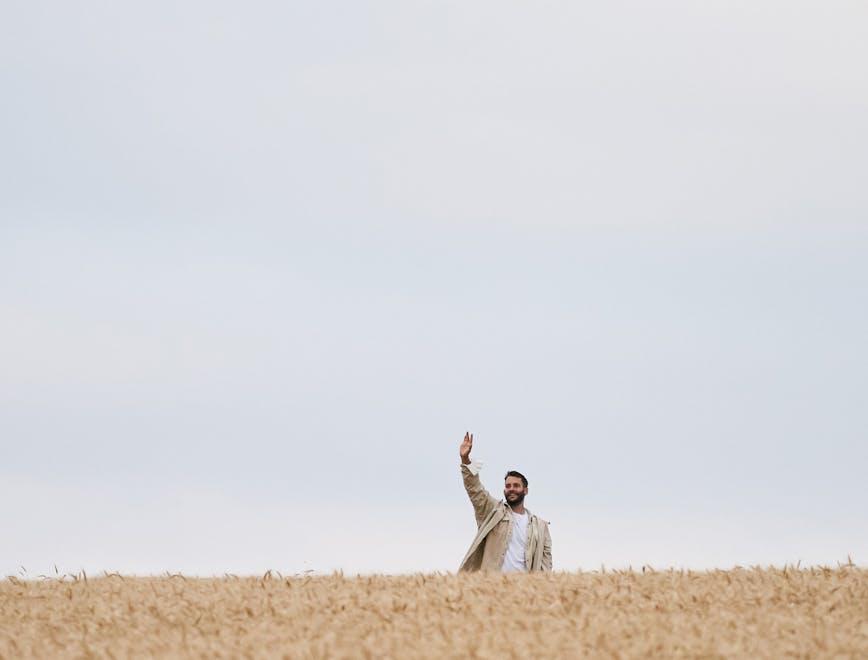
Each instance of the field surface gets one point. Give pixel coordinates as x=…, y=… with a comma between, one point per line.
x=756, y=613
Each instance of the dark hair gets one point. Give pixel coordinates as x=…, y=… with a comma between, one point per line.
x=513, y=473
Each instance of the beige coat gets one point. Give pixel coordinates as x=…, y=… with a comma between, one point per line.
x=494, y=528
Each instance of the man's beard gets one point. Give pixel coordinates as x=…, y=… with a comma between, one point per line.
x=513, y=502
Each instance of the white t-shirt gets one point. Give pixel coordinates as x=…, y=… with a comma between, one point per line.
x=514, y=558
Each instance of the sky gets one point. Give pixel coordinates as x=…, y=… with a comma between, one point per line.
x=263, y=264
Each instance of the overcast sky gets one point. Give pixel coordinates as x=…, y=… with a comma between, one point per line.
x=262, y=264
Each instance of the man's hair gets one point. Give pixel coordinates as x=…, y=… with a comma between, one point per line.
x=513, y=473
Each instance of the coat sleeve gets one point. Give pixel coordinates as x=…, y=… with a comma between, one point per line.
x=547, y=551
x=483, y=501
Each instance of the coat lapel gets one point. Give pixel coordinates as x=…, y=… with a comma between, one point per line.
x=533, y=555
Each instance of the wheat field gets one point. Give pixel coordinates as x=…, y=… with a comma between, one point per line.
x=754, y=613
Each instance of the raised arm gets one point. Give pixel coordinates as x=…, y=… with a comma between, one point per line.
x=483, y=501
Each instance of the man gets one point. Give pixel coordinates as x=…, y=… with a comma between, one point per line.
x=509, y=537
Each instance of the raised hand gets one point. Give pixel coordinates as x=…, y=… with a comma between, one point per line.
x=466, y=446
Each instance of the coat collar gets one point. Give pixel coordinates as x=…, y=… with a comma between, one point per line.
x=526, y=510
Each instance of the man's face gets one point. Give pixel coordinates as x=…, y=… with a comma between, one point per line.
x=514, y=491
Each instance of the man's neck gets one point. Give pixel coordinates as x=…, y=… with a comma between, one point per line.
x=519, y=508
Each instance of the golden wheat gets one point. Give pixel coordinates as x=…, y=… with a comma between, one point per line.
x=771, y=613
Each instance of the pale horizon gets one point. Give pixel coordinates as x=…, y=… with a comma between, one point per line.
x=262, y=266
